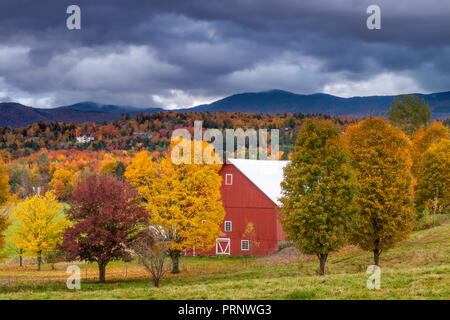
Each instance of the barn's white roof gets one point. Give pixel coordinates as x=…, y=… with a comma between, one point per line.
x=265, y=174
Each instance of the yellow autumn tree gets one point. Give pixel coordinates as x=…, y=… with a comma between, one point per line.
x=318, y=192
x=423, y=139
x=113, y=168
x=39, y=225
x=183, y=199
x=380, y=154
x=62, y=183
x=433, y=178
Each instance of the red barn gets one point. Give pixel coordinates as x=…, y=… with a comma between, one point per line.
x=250, y=190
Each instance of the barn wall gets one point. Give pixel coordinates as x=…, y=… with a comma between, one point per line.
x=243, y=193
x=265, y=227
x=244, y=203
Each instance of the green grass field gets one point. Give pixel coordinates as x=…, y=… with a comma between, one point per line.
x=418, y=268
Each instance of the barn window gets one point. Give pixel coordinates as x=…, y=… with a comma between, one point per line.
x=227, y=226
x=245, y=245
x=228, y=179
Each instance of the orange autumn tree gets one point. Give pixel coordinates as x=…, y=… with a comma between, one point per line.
x=430, y=167
x=62, y=183
x=380, y=154
x=4, y=183
x=183, y=199
x=423, y=139
x=433, y=178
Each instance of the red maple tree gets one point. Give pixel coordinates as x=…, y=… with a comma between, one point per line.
x=106, y=215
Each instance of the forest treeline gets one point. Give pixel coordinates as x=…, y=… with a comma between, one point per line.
x=127, y=133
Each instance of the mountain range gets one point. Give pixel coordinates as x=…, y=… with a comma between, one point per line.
x=273, y=101
x=108, y=108
x=278, y=101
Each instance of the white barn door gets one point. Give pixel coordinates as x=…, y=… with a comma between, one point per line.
x=223, y=246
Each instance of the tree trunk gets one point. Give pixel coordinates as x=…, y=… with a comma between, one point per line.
x=175, y=262
x=20, y=258
x=39, y=260
x=323, y=259
x=156, y=282
x=376, y=257
x=102, y=272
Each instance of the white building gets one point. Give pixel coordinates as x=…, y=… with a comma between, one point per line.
x=85, y=139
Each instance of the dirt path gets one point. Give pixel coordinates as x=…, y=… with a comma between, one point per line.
x=286, y=255
x=292, y=255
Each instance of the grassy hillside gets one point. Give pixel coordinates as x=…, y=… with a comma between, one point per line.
x=418, y=268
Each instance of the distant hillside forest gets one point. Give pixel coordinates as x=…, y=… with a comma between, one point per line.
x=146, y=131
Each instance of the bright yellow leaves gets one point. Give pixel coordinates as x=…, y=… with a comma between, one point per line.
x=62, y=182
x=423, y=139
x=39, y=224
x=114, y=168
x=433, y=178
x=380, y=154
x=184, y=199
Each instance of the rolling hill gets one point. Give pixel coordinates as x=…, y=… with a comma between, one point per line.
x=273, y=101
x=278, y=101
x=108, y=108
x=416, y=268
x=16, y=115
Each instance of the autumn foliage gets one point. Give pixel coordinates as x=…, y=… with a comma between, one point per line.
x=423, y=139
x=381, y=157
x=184, y=199
x=4, y=195
x=106, y=215
x=433, y=178
x=62, y=182
x=115, y=168
x=321, y=208
x=4, y=183
x=318, y=191
x=430, y=154
x=39, y=225
x=120, y=135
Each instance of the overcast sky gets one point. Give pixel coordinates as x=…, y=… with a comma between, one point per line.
x=188, y=52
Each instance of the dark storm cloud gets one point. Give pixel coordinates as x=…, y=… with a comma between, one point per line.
x=180, y=53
